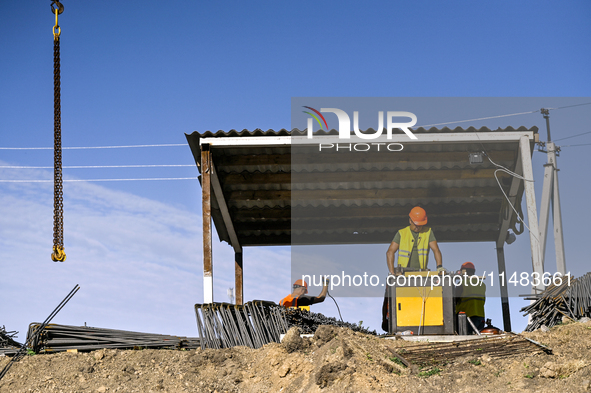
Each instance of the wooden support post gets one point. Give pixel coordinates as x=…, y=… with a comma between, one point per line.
x=207, y=227
x=504, y=292
x=238, y=278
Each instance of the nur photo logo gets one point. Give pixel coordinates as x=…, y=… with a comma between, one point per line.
x=344, y=129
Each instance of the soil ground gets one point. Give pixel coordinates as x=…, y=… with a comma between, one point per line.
x=334, y=360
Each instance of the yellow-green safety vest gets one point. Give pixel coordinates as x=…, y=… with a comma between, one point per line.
x=472, y=300
x=406, y=246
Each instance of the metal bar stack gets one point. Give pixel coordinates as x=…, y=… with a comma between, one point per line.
x=57, y=338
x=8, y=346
x=572, y=301
x=495, y=346
x=254, y=324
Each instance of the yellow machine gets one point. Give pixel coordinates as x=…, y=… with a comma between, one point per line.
x=422, y=302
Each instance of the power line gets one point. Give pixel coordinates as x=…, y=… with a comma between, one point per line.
x=500, y=116
x=184, y=144
x=94, y=147
x=573, y=136
x=95, y=166
x=481, y=118
x=100, y=180
x=582, y=144
x=570, y=106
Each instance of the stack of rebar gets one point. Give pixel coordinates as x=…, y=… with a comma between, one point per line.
x=571, y=299
x=56, y=338
x=254, y=324
x=8, y=346
x=497, y=346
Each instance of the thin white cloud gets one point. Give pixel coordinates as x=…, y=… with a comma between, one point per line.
x=138, y=261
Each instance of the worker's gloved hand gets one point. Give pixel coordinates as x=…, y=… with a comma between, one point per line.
x=441, y=269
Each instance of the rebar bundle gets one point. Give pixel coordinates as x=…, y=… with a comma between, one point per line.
x=56, y=338
x=8, y=346
x=256, y=323
x=497, y=346
x=571, y=299
x=33, y=334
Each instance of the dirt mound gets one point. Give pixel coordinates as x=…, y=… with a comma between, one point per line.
x=334, y=360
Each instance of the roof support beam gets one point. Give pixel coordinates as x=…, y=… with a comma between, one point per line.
x=504, y=292
x=532, y=214
x=238, y=278
x=206, y=209
x=446, y=137
x=219, y=196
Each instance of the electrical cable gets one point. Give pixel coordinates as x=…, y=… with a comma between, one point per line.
x=98, y=166
x=500, y=116
x=581, y=144
x=570, y=106
x=100, y=180
x=481, y=118
x=184, y=144
x=574, y=136
x=335, y=302
x=94, y=147
x=509, y=172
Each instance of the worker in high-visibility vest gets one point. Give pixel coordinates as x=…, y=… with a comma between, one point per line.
x=413, y=244
x=471, y=296
x=299, y=299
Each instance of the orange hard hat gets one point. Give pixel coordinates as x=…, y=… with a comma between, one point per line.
x=468, y=265
x=418, y=215
x=300, y=283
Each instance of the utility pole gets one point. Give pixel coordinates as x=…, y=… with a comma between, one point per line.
x=550, y=194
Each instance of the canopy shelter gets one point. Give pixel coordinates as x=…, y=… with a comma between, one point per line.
x=265, y=188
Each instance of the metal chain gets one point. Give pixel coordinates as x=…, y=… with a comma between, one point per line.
x=58, y=254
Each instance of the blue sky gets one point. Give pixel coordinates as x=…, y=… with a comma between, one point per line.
x=148, y=72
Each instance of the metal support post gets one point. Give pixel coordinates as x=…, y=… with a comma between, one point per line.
x=238, y=277
x=558, y=236
x=207, y=227
x=532, y=215
x=551, y=196
x=504, y=292
x=545, y=205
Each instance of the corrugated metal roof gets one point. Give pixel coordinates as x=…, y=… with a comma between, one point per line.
x=278, y=195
